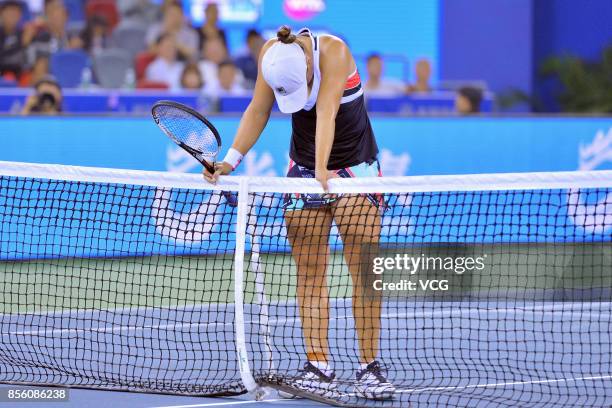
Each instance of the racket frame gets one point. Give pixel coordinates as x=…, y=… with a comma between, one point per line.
x=193, y=152
x=231, y=199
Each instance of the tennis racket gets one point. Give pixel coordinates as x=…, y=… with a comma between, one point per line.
x=193, y=133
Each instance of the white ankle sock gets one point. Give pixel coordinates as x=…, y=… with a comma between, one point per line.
x=363, y=366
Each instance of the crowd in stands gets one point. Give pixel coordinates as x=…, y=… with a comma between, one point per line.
x=467, y=101
x=173, y=55
x=138, y=44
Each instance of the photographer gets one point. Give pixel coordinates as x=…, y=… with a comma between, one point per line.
x=46, y=100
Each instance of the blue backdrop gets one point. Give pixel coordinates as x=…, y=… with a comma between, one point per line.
x=66, y=220
x=413, y=146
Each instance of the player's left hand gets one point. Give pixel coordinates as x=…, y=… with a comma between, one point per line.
x=323, y=176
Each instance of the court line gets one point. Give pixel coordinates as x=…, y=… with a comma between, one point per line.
x=414, y=391
x=506, y=384
x=126, y=309
x=220, y=404
x=230, y=306
x=438, y=313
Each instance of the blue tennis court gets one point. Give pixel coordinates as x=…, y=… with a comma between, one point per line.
x=391, y=204
x=571, y=341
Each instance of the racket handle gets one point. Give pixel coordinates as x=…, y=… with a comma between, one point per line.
x=231, y=198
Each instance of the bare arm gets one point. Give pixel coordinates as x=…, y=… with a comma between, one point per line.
x=336, y=64
x=255, y=116
x=253, y=122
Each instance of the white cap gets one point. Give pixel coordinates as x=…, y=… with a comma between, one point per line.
x=284, y=68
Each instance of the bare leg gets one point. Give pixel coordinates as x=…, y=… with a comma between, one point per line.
x=308, y=234
x=359, y=225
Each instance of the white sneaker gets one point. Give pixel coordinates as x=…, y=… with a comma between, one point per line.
x=372, y=384
x=311, y=380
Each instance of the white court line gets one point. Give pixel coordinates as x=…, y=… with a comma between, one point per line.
x=221, y=404
x=115, y=329
x=230, y=306
x=506, y=384
x=418, y=390
x=567, y=308
x=131, y=310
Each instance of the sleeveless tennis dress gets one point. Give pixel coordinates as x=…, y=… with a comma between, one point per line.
x=354, y=151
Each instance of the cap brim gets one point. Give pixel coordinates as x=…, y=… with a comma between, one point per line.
x=294, y=101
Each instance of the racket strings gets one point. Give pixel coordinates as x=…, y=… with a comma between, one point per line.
x=188, y=130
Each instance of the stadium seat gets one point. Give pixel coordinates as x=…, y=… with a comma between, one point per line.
x=130, y=36
x=75, y=10
x=105, y=8
x=111, y=67
x=67, y=67
x=146, y=84
x=141, y=63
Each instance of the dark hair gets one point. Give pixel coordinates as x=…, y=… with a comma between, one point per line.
x=191, y=67
x=49, y=80
x=252, y=33
x=226, y=63
x=12, y=3
x=284, y=35
x=372, y=56
x=87, y=35
x=47, y=2
x=473, y=95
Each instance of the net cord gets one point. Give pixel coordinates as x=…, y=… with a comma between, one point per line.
x=405, y=184
x=438, y=183
x=241, y=229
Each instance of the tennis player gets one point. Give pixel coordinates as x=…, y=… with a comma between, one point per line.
x=315, y=79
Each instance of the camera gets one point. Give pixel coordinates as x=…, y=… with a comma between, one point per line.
x=46, y=102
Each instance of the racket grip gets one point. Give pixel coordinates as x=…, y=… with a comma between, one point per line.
x=232, y=199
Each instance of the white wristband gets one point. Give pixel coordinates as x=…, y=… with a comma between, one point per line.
x=233, y=158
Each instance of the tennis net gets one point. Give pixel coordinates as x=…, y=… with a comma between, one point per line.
x=490, y=290
x=116, y=280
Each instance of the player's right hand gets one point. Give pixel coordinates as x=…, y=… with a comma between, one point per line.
x=221, y=169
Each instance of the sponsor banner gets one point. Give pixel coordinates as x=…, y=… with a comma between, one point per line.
x=177, y=222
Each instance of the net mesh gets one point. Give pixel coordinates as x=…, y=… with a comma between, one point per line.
x=469, y=295
x=112, y=285
x=499, y=298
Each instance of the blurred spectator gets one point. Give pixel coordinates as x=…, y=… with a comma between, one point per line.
x=210, y=28
x=468, y=100
x=214, y=53
x=228, y=83
x=143, y=11
x=94, y=36
x=47, y=98
x=40, y=69
x=422, y=73
x=191, y=78
x=50, y=32
x=166, y=67
x=247, y=63
x=12, y=44
x=173, y=22
x=376, y=84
